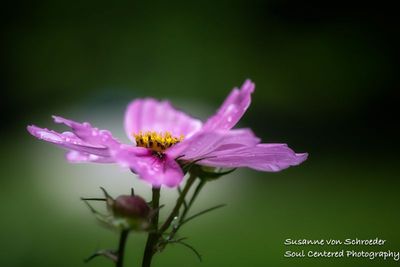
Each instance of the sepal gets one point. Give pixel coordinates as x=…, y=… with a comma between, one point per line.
x=206, y=173
x=126, y=212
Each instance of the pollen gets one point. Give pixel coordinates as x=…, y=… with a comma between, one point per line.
x=157, y=142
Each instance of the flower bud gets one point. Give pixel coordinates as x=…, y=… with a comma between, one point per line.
x=131, y=207
x=126, y=212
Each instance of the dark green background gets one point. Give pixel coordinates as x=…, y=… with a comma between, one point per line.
x=327, y=84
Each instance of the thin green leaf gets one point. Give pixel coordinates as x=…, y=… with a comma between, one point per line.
x=189, y=247
x=109, y=199
x=90, y=206
x=105, y=192
x=201, y=213
x=188, y=166
x=181, y=239
x=180, y=192
x=196, y=192
x=106, y=253
x=93, y=199
x=213, y=175
x=101, y=217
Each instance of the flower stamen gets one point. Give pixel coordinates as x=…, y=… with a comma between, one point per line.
x=157, y=142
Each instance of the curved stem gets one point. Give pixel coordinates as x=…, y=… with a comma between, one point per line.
x=178, y=204
x=153, y=236
x=194, y=196
x=121, y=248
x=187, y=208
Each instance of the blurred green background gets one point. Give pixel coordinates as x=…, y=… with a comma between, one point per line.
x=327, y=83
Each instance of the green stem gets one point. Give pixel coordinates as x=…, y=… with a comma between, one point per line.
x=194, y=196
x=178, y=204
x=156, y=234
x=121, y=248
x=153, y=236
x=186, y=209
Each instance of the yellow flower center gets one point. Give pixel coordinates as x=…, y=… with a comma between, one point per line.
x=157, y=142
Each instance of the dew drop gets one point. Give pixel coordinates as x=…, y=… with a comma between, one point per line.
x=104, y=138
x=175, y=222
x=49, y=136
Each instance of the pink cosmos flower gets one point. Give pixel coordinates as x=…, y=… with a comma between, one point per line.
x=162, y=134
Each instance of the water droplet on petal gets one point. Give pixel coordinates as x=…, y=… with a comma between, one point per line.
x=49, y=136
x=105, y=132
x=68, y=134
x=105, y=138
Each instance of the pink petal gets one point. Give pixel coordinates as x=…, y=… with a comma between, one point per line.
x=263, y=157
x=152, y=169
x=233, y=108
x=152, y=115
x=82, y=157
x=87, y=144
x=89, y=134
x=205, y=144
x=68, y=140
